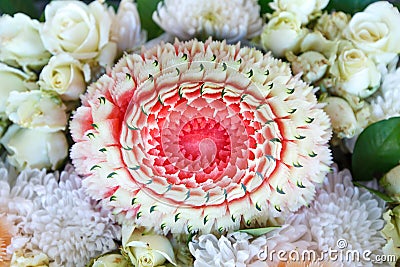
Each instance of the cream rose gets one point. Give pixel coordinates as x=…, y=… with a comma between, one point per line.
x=20, y=43
x=146, y=249
x=66, y=76
x=304, y=9
x=33, y=148
x=342, y=117
x=353, y=72
x=312, y=65
x=35, y=109
x=376, y=31
x=81, y=30
x=332, y=25
x=20, y=259
x=391, y=232
x=11, y=80
x=126, y=30
x=111, y=260
x=315, y=41
x=282, y=33
x=391, y=183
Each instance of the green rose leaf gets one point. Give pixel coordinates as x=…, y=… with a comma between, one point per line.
x=258, y=231
x=352, y=6
x=146, y=9
x=377, y=149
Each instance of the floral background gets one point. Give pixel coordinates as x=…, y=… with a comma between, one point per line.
x=199, y=133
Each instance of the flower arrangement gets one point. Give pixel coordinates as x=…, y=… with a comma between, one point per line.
x=200, y=133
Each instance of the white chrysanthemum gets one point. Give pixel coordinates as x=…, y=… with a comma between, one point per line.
x=344, y=215
x=231, y=20
x=386, y=105
x=237, y=249
x=287, y=238
x=309, y=264
x=16, y=194
x=126, y=29
x=54, y=215
x=231, y=250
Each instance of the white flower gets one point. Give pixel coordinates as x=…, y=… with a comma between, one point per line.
x=391, y=232
x=20, y=43
x=283, y=33
x=62, y=221
x=309, y=264
x=146, y=249
x=37, y=110
x=110, y=260
x=391, y=249
x=304, y=10
x=386, y=104
x=20, y=259
x=313, y=65
x=343, y=119
x=331, y=25
x=315, y=41
x=232, y=20
x=126, y=30
x=391, y=183
x=241, y=249
x=287, y=238
x=343, y=211
x=11, y=80
x=235, y=249
x=16, y=203
x=353, y=72
x=33, y=148
x=64, y=75
x=81, y=30
x=375, y=31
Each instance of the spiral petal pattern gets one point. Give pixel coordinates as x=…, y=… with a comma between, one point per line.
x=201, y=136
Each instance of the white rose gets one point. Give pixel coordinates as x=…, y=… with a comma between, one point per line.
x=20, y=259
x=20, y=43
x=315, y=41
x=332, y=25
x=391, y=183
x=111, y=260
x=282, y=33
x=33, y=148
x=391, y=232
x=342, y=117
x=304, y=9
x=35, y=109
x=311, y=64
x=78, y=29
x=11, y=80
x=126, y=29
x=353, y=72
x=66, y=76
x=146, y=249
x=376, y=31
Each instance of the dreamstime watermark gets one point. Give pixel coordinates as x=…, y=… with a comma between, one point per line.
x=339, y=254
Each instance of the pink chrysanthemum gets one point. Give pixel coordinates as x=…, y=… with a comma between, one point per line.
x=199, y=135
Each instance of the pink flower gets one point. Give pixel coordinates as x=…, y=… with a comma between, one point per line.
x=201, y=136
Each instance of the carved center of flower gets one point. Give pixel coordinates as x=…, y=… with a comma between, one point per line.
x=204, y=141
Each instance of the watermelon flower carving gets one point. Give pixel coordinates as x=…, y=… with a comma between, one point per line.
x=200, y=136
